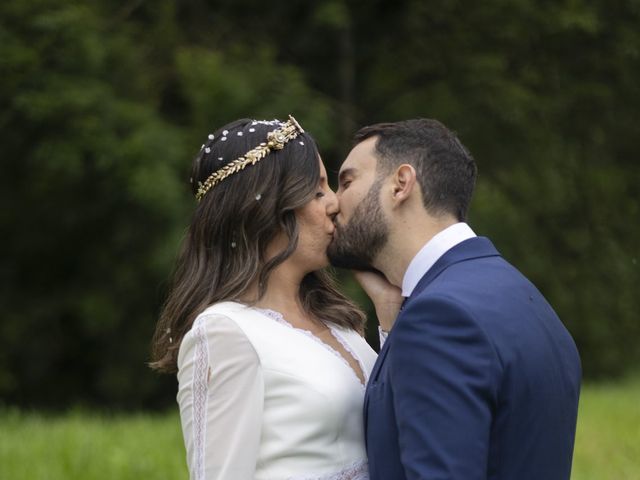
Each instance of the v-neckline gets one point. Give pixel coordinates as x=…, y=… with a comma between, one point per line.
x=279, y=318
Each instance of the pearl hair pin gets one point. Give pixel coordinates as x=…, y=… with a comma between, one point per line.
x=276, y=140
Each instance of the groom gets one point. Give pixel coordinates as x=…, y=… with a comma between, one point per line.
x=478, y=378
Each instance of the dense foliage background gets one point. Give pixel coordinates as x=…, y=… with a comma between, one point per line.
x=103, y=104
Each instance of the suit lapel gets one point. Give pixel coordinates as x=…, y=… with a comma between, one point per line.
x=373, y=378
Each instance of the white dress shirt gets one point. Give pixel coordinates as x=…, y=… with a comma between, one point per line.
x=428, y=255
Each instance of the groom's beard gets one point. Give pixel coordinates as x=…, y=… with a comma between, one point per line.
x=357, y=243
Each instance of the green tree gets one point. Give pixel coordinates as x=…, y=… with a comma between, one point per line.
x=103, y=105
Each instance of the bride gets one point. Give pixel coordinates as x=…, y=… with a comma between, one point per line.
x=270, y=358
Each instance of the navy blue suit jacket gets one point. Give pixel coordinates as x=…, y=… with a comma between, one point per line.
x=478, y=378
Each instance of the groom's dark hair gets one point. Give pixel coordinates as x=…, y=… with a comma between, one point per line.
x=445, y=169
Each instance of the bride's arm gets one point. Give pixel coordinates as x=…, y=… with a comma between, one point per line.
x=221, y=400
x=386, y=298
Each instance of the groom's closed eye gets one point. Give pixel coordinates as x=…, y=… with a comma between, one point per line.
x=345, y=178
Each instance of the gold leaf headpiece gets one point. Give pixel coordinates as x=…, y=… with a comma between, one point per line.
x=276, y=140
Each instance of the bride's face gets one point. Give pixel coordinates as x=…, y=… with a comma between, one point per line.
x=315, y=222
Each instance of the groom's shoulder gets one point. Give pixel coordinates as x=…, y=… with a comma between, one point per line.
x=476, y=286
x=483, y=273
x=466, y=277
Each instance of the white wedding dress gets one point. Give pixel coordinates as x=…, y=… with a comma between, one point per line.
x=262, y=400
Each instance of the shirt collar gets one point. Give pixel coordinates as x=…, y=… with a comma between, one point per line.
x=431, y=252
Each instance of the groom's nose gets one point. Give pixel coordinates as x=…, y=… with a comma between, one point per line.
x=333, y=206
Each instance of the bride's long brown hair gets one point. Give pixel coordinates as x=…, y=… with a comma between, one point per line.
x=223, y=252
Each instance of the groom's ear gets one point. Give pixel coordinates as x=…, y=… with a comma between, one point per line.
x=403, y=182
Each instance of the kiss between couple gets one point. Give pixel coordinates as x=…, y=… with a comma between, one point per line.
x=477, y=377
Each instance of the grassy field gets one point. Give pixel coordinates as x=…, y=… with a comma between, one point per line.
x=89, y=447
x=608, y=436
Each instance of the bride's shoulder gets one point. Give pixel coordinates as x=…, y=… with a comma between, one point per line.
x=247, y=319
x=229, y=309
x=221, y=331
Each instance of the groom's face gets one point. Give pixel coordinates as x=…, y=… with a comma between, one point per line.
x=361, y=227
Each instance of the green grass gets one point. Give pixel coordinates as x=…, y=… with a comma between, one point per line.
x=89, y=447
x=97, y=447
x=608, y=436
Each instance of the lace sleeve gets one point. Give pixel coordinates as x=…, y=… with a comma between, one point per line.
x=221, y=398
